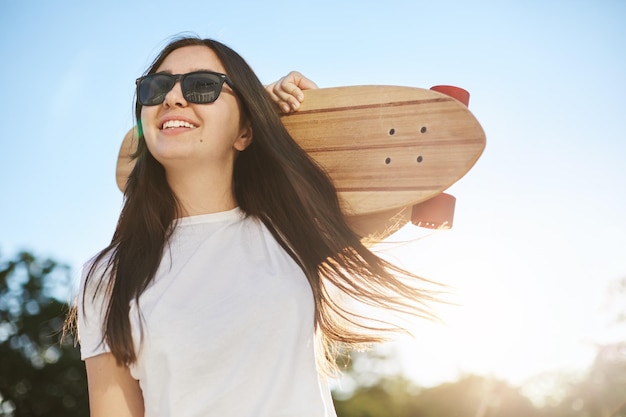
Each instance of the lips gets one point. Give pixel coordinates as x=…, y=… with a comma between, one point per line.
x=175, y=123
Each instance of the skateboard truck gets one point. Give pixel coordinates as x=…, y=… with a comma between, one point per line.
x=438, y=212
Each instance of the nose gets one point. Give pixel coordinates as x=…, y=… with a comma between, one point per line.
x=174, y=97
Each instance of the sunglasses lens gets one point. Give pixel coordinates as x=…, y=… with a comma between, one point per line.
x=198, y=87
x=153, y=88
x=201, y=87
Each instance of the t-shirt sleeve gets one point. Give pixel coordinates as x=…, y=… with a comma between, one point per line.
x=92, y=305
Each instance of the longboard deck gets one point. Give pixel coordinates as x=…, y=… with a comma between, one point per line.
x=386, y=148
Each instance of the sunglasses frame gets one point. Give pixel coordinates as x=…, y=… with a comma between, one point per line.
x=223, y=78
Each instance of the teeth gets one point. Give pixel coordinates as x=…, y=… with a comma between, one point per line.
x=177, y=123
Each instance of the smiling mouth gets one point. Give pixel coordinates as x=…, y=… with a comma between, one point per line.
x=172, y=124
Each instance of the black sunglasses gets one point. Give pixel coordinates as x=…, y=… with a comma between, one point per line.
x=200, y=87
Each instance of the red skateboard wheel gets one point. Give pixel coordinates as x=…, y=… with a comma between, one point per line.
x=455, y=92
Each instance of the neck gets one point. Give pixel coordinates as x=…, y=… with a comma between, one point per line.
x=203, y=192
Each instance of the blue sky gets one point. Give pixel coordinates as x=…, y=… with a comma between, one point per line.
x=540, y=229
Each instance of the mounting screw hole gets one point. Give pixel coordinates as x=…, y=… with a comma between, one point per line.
x=423, y=129
x=392, y=132
x=387, y=160
x=420, y=159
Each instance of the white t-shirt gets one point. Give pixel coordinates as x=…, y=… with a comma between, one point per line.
x=228, y=326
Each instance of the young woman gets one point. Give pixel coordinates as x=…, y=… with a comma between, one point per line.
x=221, y=291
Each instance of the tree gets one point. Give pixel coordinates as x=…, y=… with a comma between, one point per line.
x=379, y=390
x=471, y=395
x=476, y=396
x=41, y=373
x=602, y=392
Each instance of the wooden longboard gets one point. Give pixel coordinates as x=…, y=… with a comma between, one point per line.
x=386, y=148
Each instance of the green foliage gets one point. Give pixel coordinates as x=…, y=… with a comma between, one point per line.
x=469, y=396
x=475, y=396
x=601, y=392
x=41, y=373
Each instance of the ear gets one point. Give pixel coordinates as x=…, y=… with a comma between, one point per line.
x=244, y=139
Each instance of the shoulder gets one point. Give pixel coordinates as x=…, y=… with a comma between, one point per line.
x=92, y=304
x=96, y=272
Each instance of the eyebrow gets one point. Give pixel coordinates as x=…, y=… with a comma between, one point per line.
x=167, y=71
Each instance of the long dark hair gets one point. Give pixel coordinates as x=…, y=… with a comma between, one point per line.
x=277, y=182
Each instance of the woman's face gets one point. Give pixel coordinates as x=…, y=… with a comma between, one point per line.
x=190, y=137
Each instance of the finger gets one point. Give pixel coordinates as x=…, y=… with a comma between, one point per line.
x=290, y=89
x=294, y=83
x=272, y=91
x=303, y=82
x=287, y=92
x=290, y=95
